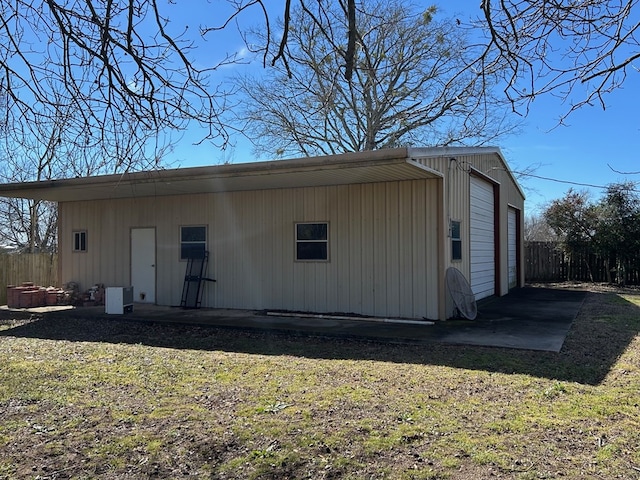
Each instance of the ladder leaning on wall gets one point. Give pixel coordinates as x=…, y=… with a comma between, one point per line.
x=193, y=278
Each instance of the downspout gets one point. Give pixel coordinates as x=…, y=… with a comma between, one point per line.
x=33, y=222
x=442, y=291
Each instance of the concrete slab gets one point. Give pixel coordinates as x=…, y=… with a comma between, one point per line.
x=48, y=309
x=529, y=318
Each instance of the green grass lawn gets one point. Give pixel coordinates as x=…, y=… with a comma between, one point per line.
x=112, y=399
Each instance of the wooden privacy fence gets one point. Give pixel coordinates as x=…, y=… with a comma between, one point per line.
x=546, y=262
x=17, y=268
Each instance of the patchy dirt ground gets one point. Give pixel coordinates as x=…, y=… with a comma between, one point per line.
x=88, y=399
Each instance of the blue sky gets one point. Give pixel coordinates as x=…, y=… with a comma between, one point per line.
x=587, y=150
x=584, y=151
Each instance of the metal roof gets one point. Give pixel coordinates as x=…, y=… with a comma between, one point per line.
x=361, y=167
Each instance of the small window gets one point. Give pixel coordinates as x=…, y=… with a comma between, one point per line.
x=312, y=241
x=456, y=241
x=193, y=242
x=80, y=241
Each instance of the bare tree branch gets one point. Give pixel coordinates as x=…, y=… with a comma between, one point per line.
x=107, y=59
x=623, y=173
x=579, y=50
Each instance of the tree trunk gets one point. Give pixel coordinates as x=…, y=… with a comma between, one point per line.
x=33, y=225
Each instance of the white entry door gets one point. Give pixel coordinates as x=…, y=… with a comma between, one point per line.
x=143, y=264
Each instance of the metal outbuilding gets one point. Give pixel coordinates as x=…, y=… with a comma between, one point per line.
x=367, y=233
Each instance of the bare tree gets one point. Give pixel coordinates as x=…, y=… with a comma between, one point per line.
x=536, y=229
x=405, y=86
x=56, y=145
x=28, y=225
x=579, y=50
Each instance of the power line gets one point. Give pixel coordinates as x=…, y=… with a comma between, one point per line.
x=569, y=182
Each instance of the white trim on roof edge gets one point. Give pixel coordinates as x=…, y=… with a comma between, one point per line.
x=357, y=167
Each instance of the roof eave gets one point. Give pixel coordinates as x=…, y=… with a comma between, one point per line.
x=360, y=167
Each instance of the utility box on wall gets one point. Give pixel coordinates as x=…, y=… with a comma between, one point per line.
x=118, y=300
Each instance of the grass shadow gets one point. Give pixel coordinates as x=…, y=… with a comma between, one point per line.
x=605, y=326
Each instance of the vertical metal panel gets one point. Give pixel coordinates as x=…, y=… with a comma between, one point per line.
x=393, y=247
x=366, y=240
x=409, y=282
x=339, y=282
x=285, y=235
x=383, y=247
x=272, y=248
x=356, y=253
x=379, y=258
x=420, y=221
x=224, y=238
x=512, y=248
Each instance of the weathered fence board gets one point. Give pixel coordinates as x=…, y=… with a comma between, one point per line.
x=546, y=262
x=39, y=268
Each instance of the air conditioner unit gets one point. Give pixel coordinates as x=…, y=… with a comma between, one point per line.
x=118, y=300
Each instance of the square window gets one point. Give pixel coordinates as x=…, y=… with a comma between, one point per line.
x=312, y=241
x=193, y=242
x=80, y=241
x=456, y=241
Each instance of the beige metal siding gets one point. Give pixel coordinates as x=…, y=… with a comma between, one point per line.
x=513, y=247
x=383, y=246
x=456, y=199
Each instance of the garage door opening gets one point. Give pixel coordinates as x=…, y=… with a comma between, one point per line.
x=483, y=261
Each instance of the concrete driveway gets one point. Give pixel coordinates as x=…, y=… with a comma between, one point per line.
x=529, y=318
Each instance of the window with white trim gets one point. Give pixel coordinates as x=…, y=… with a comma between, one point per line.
x=80, y=241
x=456, y=241
x=193, y=241
x=312, y=241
